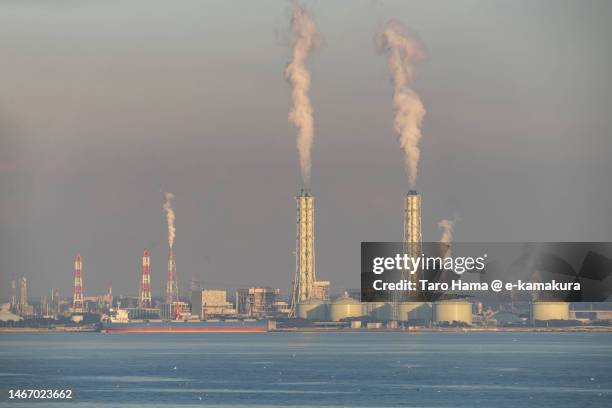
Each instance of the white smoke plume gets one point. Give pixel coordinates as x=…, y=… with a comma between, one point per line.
x=448, y=230
x=306, y=40
x=402, y=54
x=170, y=218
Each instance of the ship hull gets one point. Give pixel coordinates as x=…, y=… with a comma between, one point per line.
x=259, y=326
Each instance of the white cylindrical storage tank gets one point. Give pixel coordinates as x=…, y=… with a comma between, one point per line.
x=453, y=311
x=379, y=310
x=312, y=310
x=345, y=307
x=414, y=311
x=549, y=311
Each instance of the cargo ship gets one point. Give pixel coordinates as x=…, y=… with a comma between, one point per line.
x=119, y=322
x=218, y=326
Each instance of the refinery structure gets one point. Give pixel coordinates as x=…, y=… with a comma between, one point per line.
x=309, y=299
x=307, y=303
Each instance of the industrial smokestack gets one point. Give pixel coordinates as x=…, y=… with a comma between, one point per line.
x=23, y=293
x=144, y=300
x=77, y=288
x=402, y=54
x=412, y=242
x=412, y=223
x=13, y=294
x=305, y=276
x=172, y=294
x=301, y=115
x=171, y=281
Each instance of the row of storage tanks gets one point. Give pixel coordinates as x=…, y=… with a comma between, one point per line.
x=347, y=307
x=444, y=311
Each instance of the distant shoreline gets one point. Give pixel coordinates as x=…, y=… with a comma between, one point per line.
x=583, y=329
x=588, y=329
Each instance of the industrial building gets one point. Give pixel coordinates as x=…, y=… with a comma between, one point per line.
x=419, y=313
x=281, y=307
x=55, y=302
x=587, y=312
x=175, y=311
x=313, y=309
x=415, y=311
x=6, y=315
x=256, y=302
x=23, y=307
x=210, y=302
x=320, y=290
x=312, y=303
x=380, y=311
x=106, y=300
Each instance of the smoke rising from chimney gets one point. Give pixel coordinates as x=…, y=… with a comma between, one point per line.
x=448, y=229
x=402, y=54
x=306, y=39
x=170, y=217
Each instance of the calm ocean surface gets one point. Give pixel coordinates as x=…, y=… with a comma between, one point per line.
x=312, y=369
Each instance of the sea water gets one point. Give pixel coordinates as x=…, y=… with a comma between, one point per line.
x=359, y=369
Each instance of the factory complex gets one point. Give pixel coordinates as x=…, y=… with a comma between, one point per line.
x=309, y=304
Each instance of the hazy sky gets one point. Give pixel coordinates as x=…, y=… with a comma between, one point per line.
x=104, y=105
